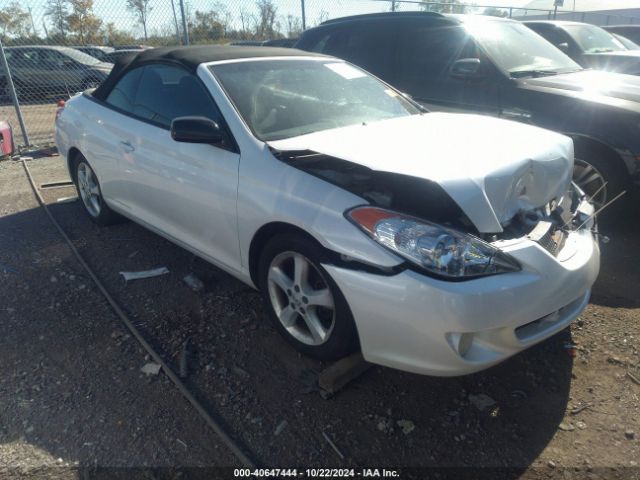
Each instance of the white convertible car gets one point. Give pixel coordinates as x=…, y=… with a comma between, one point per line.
x=434, y=243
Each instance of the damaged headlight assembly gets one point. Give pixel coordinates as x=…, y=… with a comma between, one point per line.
x=439, y=250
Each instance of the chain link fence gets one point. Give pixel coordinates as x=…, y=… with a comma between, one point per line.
x=54, y=48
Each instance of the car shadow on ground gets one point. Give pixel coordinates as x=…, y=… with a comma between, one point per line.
x=240, y=367
x=617, y=284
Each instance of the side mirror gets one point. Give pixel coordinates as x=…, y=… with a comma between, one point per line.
x=466, y=68
x=564, y=46
x=196, y=130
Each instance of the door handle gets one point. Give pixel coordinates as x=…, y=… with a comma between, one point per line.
x=127, y=146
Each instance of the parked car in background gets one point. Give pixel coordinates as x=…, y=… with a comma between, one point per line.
x=132, y=47
x=38, y=71
x=247, y=43
x=99, y=52
x=632, y=32
x=499, y=67
x=116, y=54
x=629, y=45
x=589, y=45
x=280, y=42
x=435, y=243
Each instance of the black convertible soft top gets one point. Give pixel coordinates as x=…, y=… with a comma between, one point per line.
x=190, y=58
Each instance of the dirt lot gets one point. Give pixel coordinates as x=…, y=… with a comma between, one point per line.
x=72, y=392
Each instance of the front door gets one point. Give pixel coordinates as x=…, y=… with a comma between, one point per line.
x=187, y=191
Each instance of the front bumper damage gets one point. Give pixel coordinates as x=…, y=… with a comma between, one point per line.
x=417, y=323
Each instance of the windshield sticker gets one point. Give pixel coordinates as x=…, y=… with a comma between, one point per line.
x=345, y=71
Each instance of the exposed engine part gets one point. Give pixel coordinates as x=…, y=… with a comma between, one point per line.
x=547, y=225
x=410, y=195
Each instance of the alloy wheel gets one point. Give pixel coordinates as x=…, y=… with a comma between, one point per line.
x=590, y=181
x=89, y=190
x=301, y=298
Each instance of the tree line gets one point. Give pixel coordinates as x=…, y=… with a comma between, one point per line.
x=74, y=22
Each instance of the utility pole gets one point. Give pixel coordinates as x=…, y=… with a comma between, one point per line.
x=44, y=27
x=304, y=16
x=33, y=25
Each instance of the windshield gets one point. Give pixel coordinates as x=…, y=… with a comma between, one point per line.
x=286, y=98
x=592, y=39
x=516, y=48
x=80, y=56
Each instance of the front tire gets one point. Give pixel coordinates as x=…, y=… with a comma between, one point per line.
x=90, y=193
x=304, y=303
x=601, y=178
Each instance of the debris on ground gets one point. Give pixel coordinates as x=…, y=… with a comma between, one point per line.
x=7, y=269
x=384, y=424
x=630, y=434
x=151, y=368
x=571, y=349
x=481, y=401
x=580, y=408
x=333, y=445
x=67, y=199
x=519, y=394
x=633, y=378
x=156, y=272
x=281, y=426
x=566, y=427
x=407, y=426
x=181, y=443
x=184, y=359
x=194, y=283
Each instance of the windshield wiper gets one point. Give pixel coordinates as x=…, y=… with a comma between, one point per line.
x=600, y=50
x=532, y=73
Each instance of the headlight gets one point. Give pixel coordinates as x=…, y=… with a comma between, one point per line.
x=437, y=249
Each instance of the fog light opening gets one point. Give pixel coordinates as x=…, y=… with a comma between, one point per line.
x=460, y=342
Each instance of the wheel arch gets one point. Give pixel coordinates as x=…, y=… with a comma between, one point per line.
x=72, y=157
x=604, y=148
x=264, y=234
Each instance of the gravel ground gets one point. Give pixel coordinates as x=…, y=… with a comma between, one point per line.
x=72, y=392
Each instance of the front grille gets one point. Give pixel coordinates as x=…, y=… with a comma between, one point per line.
x=548, y=237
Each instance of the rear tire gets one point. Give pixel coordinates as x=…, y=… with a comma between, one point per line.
x=90, y=194
x=304, y=303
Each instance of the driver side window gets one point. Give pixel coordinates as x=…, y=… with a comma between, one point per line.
x=160, y=93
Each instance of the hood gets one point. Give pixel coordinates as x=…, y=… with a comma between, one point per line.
x=103, y=67
x=491, y=168
x=593, y=85
x=627, y=61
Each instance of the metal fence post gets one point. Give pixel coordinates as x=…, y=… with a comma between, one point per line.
x=185, y=27
x=304, y=15
x=14, y=96
x=175, y=20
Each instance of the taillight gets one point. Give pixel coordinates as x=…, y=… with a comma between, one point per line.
x=60, y=108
